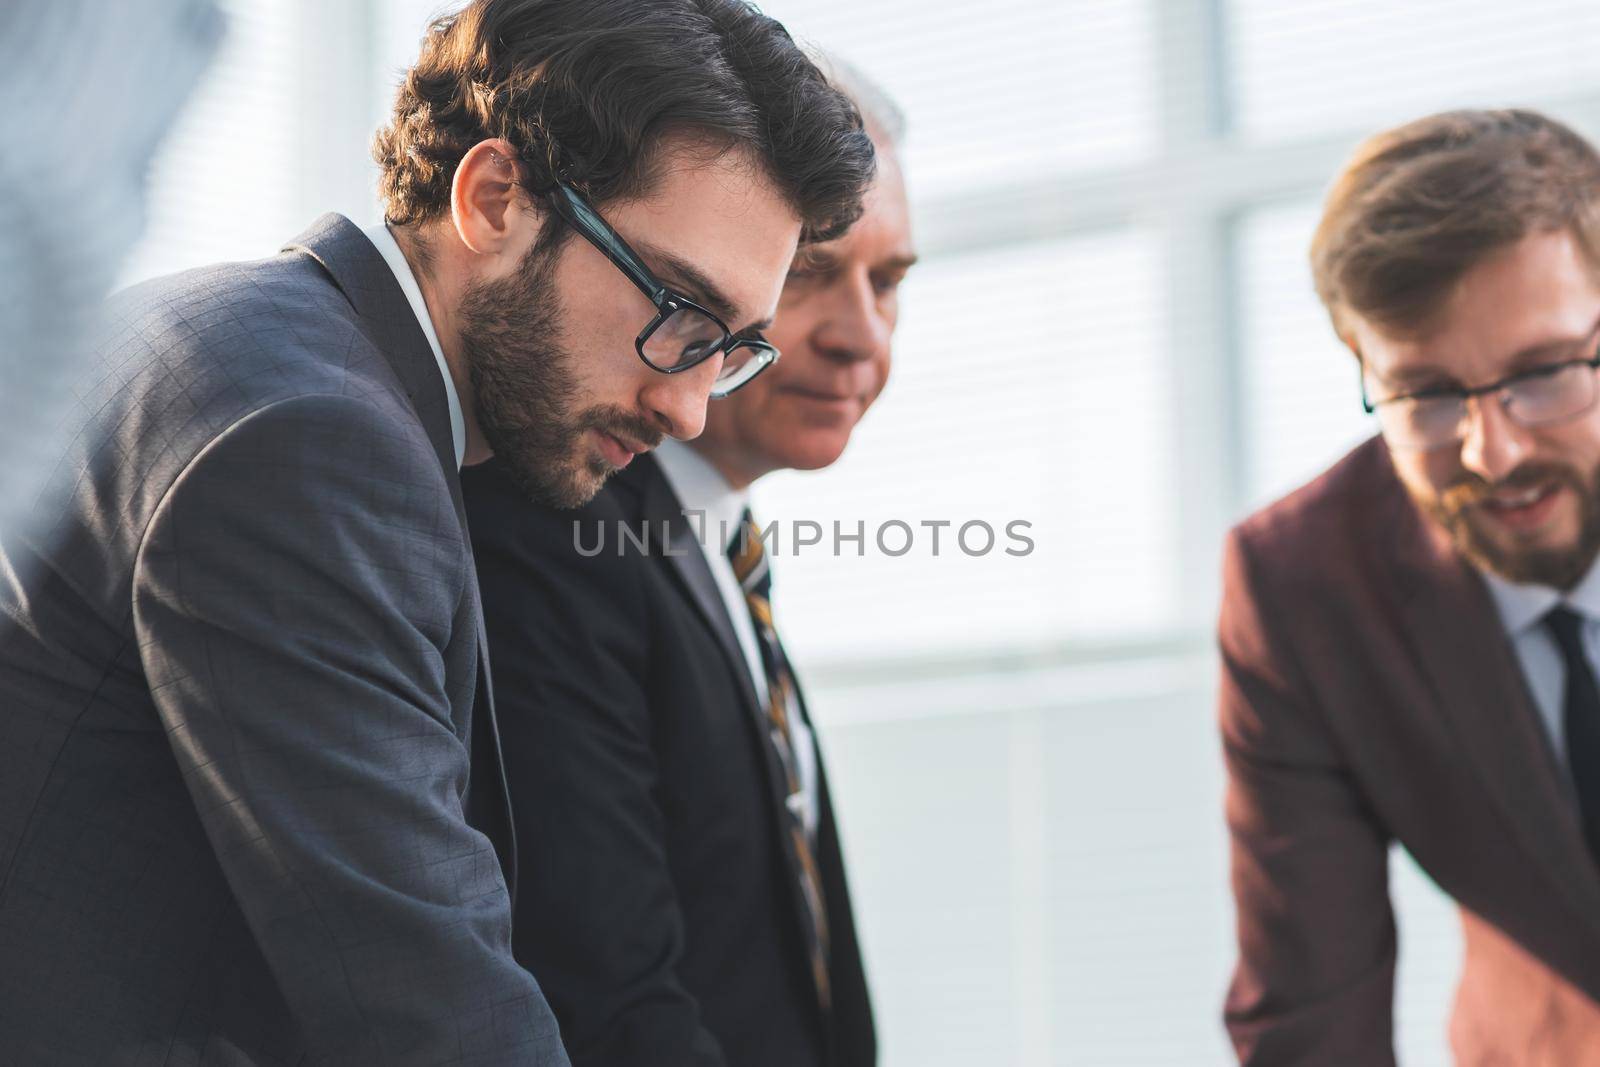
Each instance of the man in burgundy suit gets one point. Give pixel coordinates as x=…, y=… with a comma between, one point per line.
x=1410, y=642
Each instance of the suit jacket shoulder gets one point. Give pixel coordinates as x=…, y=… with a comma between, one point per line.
x=240, y=671
x=183, y=359
x=1348, y=516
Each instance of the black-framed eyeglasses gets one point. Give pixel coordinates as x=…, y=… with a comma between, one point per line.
x=683, y=334
x=1540, y=396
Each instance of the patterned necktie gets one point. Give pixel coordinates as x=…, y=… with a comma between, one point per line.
x=750, y=566
x=1581, y=713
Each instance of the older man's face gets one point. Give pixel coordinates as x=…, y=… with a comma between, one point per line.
x=834, y=324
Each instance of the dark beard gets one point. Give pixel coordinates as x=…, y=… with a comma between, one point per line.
x=526, y=392
x=1558, y=568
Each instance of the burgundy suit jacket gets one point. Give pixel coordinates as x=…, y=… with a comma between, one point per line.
x=1369, y=697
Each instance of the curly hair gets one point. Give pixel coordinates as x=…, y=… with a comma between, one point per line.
x=588, y=89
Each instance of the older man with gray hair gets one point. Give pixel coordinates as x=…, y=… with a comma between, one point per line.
x=694, y=909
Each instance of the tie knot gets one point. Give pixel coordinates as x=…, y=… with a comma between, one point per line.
x=748, y=555
x=1566, y=626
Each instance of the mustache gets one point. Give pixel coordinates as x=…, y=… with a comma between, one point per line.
x=1473, y=489
x=624, y=425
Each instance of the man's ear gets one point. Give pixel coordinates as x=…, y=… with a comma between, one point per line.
x=487, y=204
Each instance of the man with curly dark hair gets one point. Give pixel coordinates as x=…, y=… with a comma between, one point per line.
x=654, y=724
x=251, y=803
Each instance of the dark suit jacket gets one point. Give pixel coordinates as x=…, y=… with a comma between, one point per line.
x=242, y=685
x=1370, y=697
x=670, y=931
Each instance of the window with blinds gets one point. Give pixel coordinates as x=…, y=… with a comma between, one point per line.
x=998, y=94
x=1320, y=66
x=1302, y=401
x=1003, y=407
x=223, y=185
x=276, y=134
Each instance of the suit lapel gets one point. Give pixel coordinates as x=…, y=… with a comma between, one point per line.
x=367, y=282
x=661, y=509
x=364, y=277
x=492, y=760
x=1485, y=703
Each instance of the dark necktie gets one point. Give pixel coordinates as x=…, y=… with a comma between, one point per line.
x=749, y=558
x=1581, y=713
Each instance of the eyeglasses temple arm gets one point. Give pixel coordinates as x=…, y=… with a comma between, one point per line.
x=600, y=234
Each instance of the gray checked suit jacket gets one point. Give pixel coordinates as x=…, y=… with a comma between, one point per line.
x=243, y=685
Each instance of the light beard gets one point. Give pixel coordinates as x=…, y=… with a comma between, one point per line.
x=526, y=390
x=1558, y=568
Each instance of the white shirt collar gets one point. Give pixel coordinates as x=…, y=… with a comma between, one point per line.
x=1521, y=607
x=700, y=487
x=389, y=249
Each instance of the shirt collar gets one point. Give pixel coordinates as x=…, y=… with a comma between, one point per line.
x=700, y=487
x=389, y=249
x=1522, y=607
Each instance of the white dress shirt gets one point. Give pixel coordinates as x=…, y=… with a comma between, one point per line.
x=389, y=249
x=1522, y=610
x=714, y=509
